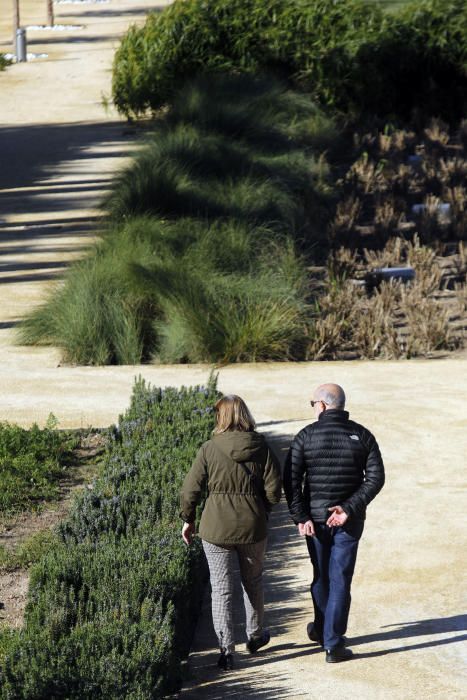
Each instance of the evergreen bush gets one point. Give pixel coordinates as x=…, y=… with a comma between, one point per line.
x=112, y=607
x=349, y=55
x=417, y=67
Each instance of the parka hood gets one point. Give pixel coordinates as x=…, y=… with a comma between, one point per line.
x=240, y=446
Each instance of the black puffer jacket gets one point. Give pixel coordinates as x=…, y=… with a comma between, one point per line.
x=340, y=463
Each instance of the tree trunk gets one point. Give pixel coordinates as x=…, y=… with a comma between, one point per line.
x=15, y=22
x=50, y=13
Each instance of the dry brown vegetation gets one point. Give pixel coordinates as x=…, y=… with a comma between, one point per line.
x=404, y=203
x=404, y=183
x=394, y=320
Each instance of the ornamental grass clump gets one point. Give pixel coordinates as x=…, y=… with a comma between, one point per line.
x=200, y=258
x=112, y=605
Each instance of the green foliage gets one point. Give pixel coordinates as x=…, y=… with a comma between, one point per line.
x=416, y=67
x=111, y=608
x=190, y=37
x=184, y=271
x=8, y=638
x=352, y=55
x=28, y=552
x=31, y=463
x=96, y=289
x=3, y=62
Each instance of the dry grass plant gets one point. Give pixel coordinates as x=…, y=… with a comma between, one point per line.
x=396, y=320
x=457, y=198
x=397, y=169
x=427, y=324
x=387, y=218
x=437, y=133
x=460, y=261
x=335, y=318
x=460, y=290
x=347, y=214
x=367, y=176
x=375, y=334
x=343, y=264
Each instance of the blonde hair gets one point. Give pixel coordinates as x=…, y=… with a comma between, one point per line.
x=232, y=414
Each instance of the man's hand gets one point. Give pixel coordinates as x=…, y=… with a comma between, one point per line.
x=337, y=518
x=306, y=529
x=188, y=530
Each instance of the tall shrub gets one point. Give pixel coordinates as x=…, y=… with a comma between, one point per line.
x=416, y=67
x=349, y=55
x=190, y=37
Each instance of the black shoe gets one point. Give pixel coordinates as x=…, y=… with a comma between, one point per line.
x=338, y=654
x=255, y=643
x=225, y=661
x=313, y=635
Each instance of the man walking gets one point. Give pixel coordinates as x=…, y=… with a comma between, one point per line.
x=332, y=472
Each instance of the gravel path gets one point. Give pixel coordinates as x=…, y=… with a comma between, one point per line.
x=408, y=628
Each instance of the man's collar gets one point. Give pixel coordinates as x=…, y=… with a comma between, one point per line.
x=333, y=413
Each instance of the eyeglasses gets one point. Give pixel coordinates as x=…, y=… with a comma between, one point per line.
x=312, y=403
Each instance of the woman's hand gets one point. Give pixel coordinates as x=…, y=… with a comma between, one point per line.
x=188, y=530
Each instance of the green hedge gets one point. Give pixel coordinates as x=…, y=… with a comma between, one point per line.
x=350, y=55
x=190, y=37
x=111, y=609
x=417, y=67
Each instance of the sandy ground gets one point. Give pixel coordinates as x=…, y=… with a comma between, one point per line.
x=59, y=150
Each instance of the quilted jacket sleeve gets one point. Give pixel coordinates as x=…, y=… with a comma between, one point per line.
x=193, y=487
x=373, y=480
x=294, y=473
x=272, y=481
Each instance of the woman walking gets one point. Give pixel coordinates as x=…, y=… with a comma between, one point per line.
x=243, y=483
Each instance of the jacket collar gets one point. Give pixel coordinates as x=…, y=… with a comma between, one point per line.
x=333, y=414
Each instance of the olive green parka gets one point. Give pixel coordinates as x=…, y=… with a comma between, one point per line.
x=236, y=506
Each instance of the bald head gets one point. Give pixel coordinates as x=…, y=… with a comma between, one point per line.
x=332, y=395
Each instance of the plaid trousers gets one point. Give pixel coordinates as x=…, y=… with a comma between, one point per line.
x=221, y=562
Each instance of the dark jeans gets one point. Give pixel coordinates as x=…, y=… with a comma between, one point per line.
x=333, y=553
